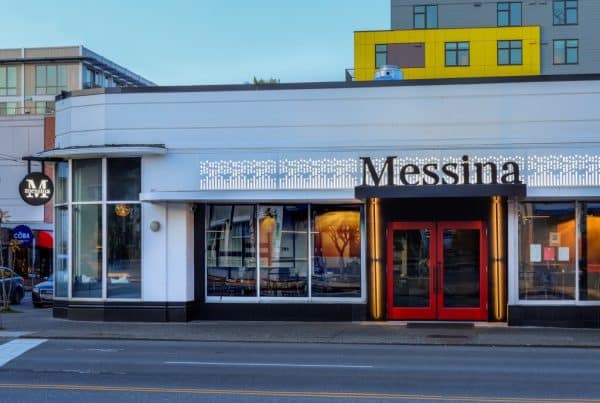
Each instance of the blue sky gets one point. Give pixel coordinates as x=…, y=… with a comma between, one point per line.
x=204, y=42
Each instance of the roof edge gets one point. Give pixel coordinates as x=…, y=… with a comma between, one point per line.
x=328, y=85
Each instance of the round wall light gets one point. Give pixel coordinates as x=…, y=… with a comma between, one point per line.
x=154, y=226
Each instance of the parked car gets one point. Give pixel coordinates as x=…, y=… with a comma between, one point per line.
x=14, y=285
x=43, y=293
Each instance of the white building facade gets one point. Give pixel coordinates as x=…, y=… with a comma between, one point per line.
x=446, y=200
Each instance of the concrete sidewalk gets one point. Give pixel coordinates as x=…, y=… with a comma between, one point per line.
x=39, y=323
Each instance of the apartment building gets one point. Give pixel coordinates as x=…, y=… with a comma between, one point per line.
x=30, y=78
x=454, y=39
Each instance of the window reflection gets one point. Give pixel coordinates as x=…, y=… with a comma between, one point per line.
x=337, y=249
x=283, y=251
x=547, y=251
x=589, y=266
x=231, y=251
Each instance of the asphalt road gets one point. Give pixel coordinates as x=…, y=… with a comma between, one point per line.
x=133, y=371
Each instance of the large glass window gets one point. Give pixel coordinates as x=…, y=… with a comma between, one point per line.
x=283, y=234
x=119, y=230
x=510, y=52
x=61, y=230
x=87, y=251
x=124, y=260
x=61, y=251
x=457, y=54
x=8, y=81
x=589, y=261
x=509, y=13
x=425, y=16
x=299, y=254
x=231, y=251
x=50, y=79
x=564, y=12
x=547, y=251
x=336, y=236
x=566, y=51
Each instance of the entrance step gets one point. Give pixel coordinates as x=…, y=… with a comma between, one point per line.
x=440, y=325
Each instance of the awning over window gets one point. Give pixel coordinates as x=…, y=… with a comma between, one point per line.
x=44, y=240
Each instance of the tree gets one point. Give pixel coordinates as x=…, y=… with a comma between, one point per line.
x=262, y=81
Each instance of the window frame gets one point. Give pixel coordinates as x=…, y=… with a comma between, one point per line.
x=457, y=52
x=7, y=89
x=565, y=49
x=509, y=49
x=284, y=299
x=425, y=13
x=58, y=87
x=564, y=16
x=70, y=204
x=509, y=13
x=380, y=52
x=513, y=247
x=7, y=107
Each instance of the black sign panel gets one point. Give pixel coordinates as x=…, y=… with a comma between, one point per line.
x=36, y=189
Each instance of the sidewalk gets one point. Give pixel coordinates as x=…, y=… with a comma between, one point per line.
x=39, y=323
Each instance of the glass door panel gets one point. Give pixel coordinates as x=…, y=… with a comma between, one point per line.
x=461, y=268
x=410, y=276
x=462, y=265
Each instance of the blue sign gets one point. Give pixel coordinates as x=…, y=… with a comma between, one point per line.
x=24, y=234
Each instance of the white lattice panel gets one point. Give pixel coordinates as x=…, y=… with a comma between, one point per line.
x=551, y=170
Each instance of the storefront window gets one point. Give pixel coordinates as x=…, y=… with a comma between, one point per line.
x=283, y=251
x=547, y=251
x=61, y=251
x=60, y=185
x=124, y=179
x=120, y=228
x=231, y=251
x=336, y=233
x=589, y=263
x=87, y=251
x=123, y=237
x=87, y=180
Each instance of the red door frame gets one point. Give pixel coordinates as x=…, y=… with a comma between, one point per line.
x=424, y=313
x=479, y=313
x=436, y=309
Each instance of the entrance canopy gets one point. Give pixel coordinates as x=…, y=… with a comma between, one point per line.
x=439, y=191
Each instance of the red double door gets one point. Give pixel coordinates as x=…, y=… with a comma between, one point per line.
x=437, y=270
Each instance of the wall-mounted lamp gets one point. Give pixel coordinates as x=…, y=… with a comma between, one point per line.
x=154, y=226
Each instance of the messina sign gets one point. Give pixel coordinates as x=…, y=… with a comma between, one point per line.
x=466, y=178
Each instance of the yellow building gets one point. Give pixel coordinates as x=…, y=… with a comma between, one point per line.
x=449, y=52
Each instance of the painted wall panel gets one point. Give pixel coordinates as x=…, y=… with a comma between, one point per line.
x=482, y=51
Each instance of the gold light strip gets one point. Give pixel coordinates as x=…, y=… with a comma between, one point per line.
x=498, y=266
x=376, y=283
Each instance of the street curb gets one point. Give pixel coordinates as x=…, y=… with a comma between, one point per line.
x=487, y=345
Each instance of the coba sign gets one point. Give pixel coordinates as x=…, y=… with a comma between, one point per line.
x=36, y=189
x=435, y=174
